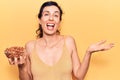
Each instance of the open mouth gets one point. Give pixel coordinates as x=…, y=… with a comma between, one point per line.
x=50, y=26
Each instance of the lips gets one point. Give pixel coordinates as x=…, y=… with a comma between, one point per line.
x=50, y=26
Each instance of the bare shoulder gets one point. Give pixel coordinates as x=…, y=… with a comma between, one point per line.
x=70, y=42
x=29, y=46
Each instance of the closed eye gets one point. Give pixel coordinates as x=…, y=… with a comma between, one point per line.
x=56, y=15
x=46, y=14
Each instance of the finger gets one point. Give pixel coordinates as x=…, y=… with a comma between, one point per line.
x=11, y=61
x=21, y=60
x=15, y=61
x=107, y=47
x=24, y=58
x=101, y=42
x=112, y=44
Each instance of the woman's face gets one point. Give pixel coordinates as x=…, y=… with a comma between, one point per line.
x=50, y=20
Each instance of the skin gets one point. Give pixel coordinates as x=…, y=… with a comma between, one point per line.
x=51, y=43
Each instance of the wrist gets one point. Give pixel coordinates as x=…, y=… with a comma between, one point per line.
x=89, y=52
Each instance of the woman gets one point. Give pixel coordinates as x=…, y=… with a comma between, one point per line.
x=53, y=56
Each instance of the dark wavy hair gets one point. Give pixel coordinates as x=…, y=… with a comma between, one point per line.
x=39, y=31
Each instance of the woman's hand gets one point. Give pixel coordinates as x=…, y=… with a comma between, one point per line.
x=100, y=46
x=15, y=55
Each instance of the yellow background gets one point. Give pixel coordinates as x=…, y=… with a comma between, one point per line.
x=88, y=21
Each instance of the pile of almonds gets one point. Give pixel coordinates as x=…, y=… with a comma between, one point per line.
x=14, y=52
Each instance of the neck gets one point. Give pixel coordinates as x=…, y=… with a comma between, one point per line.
x=49, y=40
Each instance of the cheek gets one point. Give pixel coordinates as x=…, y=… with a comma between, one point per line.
x=42, y=22
x=57, y=21
x=43, y=19
x=58, y=24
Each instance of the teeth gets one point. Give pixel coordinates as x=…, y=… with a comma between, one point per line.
x=52, y=25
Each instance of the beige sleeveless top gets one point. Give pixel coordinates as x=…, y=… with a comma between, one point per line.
x=62, y=70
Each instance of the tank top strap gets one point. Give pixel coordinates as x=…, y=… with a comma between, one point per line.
x=34, y=47
x=64, y=45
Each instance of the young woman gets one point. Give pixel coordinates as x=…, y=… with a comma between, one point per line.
x=53, y=56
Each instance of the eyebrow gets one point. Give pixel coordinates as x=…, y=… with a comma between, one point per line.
x=49, y=11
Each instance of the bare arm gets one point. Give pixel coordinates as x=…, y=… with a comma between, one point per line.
x=80, y=69
x=25, y=69
x=22, y=60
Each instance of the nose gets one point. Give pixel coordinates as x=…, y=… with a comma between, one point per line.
x=51, y=17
